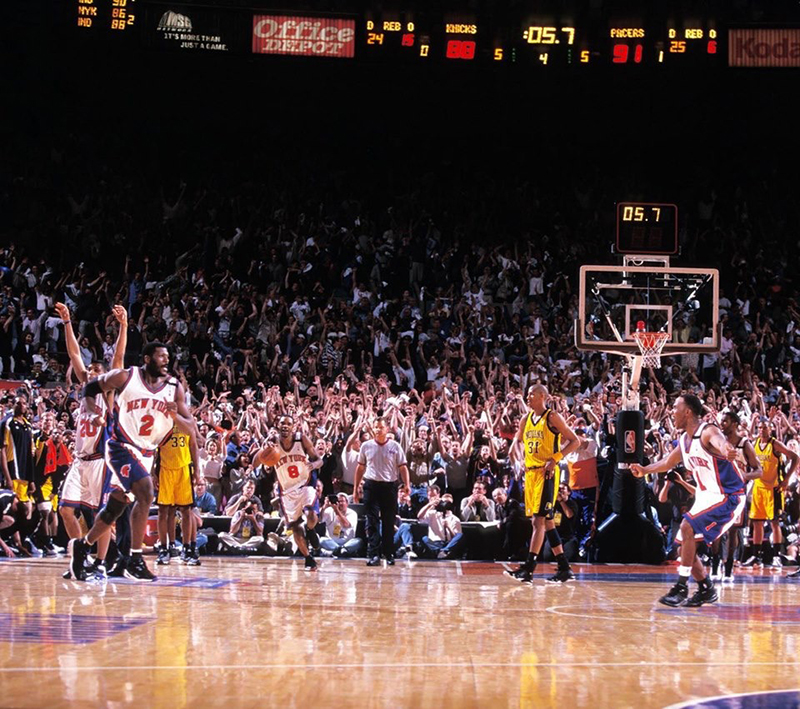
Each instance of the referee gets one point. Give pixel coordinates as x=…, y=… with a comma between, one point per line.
x=381, y=462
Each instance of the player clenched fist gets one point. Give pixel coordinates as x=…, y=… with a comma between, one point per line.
x=639, y=471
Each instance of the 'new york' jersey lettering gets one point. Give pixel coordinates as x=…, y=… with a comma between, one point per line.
x=292, y=468
x=141, y=416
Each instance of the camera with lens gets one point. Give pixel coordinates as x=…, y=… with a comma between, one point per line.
x=672, y=476
x=787, y=526
x=444, y=506
x=333, y=499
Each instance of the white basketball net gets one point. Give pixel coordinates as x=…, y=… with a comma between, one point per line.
x=650, y=345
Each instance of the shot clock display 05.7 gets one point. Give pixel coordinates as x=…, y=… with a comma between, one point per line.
x=647, y=228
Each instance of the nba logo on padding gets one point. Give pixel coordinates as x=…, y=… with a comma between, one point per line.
x=630, y=441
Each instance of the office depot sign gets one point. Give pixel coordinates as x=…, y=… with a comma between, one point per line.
x=764, y=47
x=304, y=36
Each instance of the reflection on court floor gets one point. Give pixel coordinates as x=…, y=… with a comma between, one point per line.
x=63, y=629
x=255, y=632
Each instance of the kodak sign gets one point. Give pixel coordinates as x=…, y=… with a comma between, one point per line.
x=764, y=47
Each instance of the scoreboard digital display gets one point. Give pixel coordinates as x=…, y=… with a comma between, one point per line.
x=647, y=228
x=95, y=16
x=570, y=36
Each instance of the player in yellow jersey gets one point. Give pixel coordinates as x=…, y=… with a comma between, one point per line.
x=541, y=433
x=177, y=474
x=767, y=501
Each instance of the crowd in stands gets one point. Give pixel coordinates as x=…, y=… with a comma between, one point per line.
x=437, y=305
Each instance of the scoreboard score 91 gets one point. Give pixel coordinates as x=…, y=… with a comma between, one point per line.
x=564, y=37
x=543, y=40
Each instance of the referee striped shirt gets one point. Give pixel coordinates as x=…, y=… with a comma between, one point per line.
x=382, y=462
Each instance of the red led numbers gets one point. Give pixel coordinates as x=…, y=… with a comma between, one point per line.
x=407, y=40
x=460, y=49
x=621, y=54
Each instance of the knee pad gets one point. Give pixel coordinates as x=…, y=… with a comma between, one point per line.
x=112, y=511
x=553, y=537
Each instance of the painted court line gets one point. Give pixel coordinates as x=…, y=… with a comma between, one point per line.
x=404, y=665
x=726, y=697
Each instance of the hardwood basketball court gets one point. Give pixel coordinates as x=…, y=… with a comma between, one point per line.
x=262, y=633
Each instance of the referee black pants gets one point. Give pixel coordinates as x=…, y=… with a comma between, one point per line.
x=380, y=511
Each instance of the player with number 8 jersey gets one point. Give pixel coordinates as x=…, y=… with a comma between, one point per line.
x=292, y=469
x=294, y=457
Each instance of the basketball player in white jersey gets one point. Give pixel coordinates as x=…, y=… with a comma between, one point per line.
x=294, y=458
x=148, y=403
x=720, y=498
x=83, y=485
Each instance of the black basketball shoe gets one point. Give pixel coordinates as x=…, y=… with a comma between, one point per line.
x=137, y=569
x=561, y=576
x=676, y=597
x=701, y=596
x=78, y=551
x=118, y=567
x=523, y=574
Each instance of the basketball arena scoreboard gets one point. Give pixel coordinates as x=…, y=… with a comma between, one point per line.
x=534, y=39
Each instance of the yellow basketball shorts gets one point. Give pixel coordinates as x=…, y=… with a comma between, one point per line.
x=48, y=496
x=175, y=487
x=766, y=503
x=21, y=490
x=541, y=493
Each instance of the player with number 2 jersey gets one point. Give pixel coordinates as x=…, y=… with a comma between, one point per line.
x=149, y=401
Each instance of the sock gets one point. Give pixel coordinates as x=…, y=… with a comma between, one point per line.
x=683, y=575
x=192, y=546
x=136, y=551
x=530, y=562
x=563, y=564
x=765, y=548
x=776, y=549
x=747, y=552
x=729, y=566
x=705, y=584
